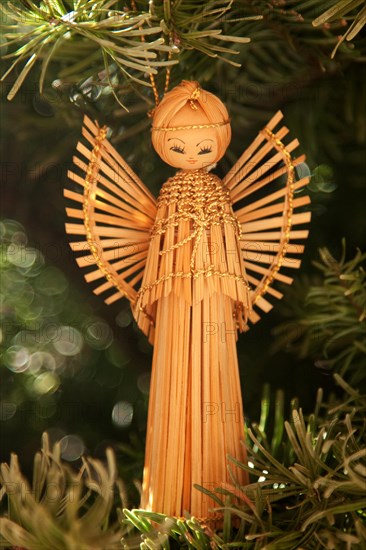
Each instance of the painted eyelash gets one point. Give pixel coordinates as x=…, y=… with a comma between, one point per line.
x=204, y=150
x=178, y=149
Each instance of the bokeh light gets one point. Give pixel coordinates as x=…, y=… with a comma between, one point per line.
x=302, y=170
x=68, y=340
x=7, y=410
x=124, y=318
x=21, y=256
x=16, y=358
x=323, y=179
x=143, y=383
x=122, y=414
x=63, y=366
x=51, y=282
x=72, y=447
x=98, y=334
x=41, y=360
x=47, y=382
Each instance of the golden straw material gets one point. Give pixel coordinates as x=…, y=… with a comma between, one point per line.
x=197, y=264
x=116, y=213
x=201, y=254
x=194, y=96
x=190, y=126
x=264, y=166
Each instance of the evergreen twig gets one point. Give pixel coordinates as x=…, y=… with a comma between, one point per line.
x=331, y=327
x=339, y=10
x=82, y=33
x=61, y=508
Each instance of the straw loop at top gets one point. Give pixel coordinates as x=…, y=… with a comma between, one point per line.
x=194, y=96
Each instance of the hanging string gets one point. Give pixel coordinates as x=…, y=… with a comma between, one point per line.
x=151, y=76
x=154, y=86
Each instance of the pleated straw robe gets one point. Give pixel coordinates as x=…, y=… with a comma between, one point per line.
x=194, y=286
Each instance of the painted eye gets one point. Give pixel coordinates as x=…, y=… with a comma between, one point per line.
x=178, y=149
x=205, y=150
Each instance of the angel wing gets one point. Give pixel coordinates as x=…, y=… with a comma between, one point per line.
x=113, y=213
x=267, y=209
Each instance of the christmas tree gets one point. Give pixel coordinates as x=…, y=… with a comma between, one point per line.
x=79, y=370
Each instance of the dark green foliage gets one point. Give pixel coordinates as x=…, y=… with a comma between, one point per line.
x=330, y=325
x=354, y=11
x=61, y=509
x=126, y=43
x=94, y=33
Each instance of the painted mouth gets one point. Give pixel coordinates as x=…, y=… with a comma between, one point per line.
x=192, y=161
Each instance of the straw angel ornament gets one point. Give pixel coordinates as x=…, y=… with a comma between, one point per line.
x=196, y=265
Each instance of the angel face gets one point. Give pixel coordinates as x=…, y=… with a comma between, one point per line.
x=191, y=149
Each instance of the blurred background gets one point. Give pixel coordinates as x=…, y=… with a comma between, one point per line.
x=79, y=369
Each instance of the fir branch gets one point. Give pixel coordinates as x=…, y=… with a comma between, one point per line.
x=295, y=22
x=66, y=31
x=340, y=10
x=332, y=326
x=196, y=25
x=61, y=508
x=63, y=31
x=321, y=490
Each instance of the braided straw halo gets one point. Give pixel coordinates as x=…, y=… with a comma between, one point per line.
x=190, y=126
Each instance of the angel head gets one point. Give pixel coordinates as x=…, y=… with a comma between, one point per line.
x=191, y=127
